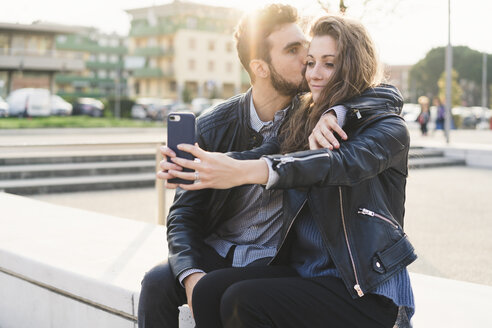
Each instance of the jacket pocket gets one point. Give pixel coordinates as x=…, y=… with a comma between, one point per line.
x=366, y=212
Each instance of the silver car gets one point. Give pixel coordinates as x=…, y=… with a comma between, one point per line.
x=4, y=108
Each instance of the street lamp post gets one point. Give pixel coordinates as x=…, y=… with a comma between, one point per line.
x=449, y=65
x=484, y=85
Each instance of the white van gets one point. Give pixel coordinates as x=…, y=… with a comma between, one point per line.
x=30, y=102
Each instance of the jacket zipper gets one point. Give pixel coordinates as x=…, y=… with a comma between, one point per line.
x=290, y=159
x=357, y=285
x=288, y=230
x=367, y=212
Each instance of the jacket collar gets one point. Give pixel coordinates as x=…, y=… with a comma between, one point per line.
x=378, y=101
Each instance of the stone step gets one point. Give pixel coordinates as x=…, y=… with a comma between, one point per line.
x=427, y=162
x=423, y=153
x=11, y=172
x=81, y=183
x=77, y=156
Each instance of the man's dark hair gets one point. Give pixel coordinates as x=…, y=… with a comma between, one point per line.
x=254, y=28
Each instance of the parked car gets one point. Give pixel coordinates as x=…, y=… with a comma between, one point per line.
x=200, y=104
x=60, y=106
x=4, y=108
x=88, y=106
x=151, y=108
x=214, y=102
x=29, y=102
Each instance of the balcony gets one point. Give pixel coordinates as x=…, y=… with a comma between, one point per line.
x=148, y=72
x=81, y=80
x=104, y=65
x=90, y=47
x=146, y=30
x=153, y=52
x=37, y=59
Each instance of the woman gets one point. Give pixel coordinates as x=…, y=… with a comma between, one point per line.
x=342, y=260
x=424, y=115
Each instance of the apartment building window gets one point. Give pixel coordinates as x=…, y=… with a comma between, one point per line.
x=191, y=64
x=4, y=44
x=191, y=43
x=228, y=67
x=103, y=58
x=211, y=66
x=172, y=86
x=229, y=46
x=191, y=22
x=102, y=74
x=151, y=42
x=211, y=45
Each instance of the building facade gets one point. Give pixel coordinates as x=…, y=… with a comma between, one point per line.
x=185, y=50
x=103, y=74
x=71, y=61
x=398, y=75
x=29, y=57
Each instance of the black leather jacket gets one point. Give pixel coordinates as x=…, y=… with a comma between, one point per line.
x=195, y=214
x=356, y=193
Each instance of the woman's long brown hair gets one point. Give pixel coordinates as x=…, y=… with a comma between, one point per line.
x=356, y=69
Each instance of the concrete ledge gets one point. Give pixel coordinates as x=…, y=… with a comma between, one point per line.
x=58, y=265
x=64, y=267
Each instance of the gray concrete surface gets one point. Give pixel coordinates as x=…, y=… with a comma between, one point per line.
x=447, y=218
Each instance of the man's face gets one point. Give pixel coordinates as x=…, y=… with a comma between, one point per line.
x=288, y=53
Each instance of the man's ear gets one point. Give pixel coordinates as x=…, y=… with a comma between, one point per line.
x=259, y=68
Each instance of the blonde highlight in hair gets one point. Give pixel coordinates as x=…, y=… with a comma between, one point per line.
x=357, y=68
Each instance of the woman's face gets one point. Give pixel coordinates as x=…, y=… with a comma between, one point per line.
x=320, y=63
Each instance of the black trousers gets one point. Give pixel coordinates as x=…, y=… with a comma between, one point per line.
x=162, y=294
x=278, y=297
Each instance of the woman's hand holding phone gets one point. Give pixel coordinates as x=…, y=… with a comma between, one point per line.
x=166, y=165
x=211, y=170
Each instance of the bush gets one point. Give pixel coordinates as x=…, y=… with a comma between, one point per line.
x=125, y=107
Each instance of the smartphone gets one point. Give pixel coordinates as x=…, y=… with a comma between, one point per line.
x=181, y=129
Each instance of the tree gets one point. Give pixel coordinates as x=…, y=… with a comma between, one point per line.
x=456, y=90
x=424, y=75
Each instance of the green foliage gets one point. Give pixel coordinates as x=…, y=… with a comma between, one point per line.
x=125, y=107
x=186, y=95
x=424, y=75
x=456, y=90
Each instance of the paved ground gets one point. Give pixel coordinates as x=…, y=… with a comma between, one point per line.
x=448, y=218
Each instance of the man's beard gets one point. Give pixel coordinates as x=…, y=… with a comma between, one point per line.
x=283, y=86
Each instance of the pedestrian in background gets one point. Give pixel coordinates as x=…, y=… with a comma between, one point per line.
x=424, y=115
x=441, y=113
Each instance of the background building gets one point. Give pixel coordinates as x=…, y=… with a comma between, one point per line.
x=29, y=57
x=398, y=76
x=185, y=50
x=68, y=60
x=103, y=74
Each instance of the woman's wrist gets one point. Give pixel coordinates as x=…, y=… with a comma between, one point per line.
x=254, y=172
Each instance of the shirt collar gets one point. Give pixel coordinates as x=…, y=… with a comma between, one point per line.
x=256, y=123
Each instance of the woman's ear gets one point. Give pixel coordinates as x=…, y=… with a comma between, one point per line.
x=259, y=68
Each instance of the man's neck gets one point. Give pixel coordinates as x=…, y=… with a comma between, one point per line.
x=268, y=101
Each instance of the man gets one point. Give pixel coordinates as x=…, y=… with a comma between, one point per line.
x=212, y=229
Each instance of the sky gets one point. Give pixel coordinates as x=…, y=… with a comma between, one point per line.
x=403, y=30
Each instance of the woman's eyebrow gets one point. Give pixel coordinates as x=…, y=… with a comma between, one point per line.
x=322, y=57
